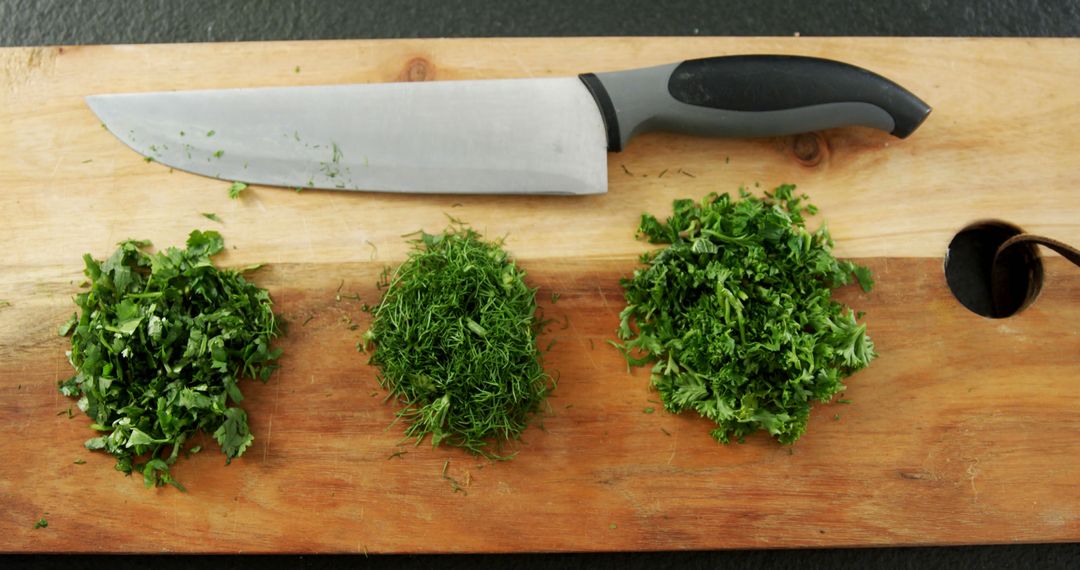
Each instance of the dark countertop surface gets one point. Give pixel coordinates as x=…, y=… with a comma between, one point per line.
x=38, y=22
x=50, y=22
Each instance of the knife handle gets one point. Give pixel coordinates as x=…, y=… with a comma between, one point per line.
x=750, y=96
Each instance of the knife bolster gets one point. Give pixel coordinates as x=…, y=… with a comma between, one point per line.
x=607, y=109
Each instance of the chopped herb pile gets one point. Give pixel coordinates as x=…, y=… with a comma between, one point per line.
x=736, y=313
x=455, y=341
x=159, y=349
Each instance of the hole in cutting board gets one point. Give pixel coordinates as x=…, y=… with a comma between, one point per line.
x=969, y=270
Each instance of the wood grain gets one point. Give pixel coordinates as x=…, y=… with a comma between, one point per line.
x=964, y=431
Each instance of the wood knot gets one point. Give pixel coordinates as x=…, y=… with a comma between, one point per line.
x=917, y=475
x=809, y=149
x=417, y=69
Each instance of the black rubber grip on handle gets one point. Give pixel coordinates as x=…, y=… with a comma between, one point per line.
x=758, y=83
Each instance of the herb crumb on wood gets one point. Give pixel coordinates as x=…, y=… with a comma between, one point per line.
x=236, y=188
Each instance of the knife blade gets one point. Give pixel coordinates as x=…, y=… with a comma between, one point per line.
x=503, y=136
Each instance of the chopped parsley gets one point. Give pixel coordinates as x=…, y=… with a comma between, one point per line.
x=735, y=313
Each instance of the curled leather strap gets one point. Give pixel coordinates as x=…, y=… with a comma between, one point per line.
x=1067, y=251
x=1002, y=297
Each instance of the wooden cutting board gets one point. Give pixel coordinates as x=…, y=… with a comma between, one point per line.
x=965, y=429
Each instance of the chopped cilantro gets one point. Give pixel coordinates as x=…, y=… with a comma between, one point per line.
x=159, y=349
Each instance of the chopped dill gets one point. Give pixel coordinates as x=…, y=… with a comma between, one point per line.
x=455, y=338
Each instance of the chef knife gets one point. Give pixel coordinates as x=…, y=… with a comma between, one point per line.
x=503, y=136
